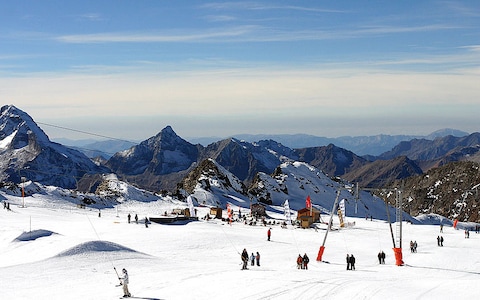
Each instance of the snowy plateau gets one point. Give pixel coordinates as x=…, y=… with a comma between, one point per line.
x=53, y=249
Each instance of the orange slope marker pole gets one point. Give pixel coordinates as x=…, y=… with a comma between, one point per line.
x=322, y=248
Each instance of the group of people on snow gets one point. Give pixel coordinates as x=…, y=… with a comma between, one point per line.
x=413, y=246
x=381, y=257
x=129, y=217
x=253, y=258
x=440, y=241
x=302, y=262
x=350, y=262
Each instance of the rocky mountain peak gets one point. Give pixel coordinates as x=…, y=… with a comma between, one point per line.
x=17, y=126
x=28, y=152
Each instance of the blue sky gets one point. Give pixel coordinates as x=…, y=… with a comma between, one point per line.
x=127, y=69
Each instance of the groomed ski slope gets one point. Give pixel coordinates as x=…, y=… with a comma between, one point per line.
x=76, y=251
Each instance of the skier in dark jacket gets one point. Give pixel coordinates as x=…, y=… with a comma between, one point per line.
x=305, y=260
x=258, y=259
x=244, y=256
x=348, y=262
x=352, y=262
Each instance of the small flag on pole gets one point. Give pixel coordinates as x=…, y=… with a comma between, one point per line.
x=308, y=202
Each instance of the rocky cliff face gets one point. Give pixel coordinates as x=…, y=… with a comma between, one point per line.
x=157, y=163
x=26, y=152
x=242, y=158
x=451, y=190
x=332, y=160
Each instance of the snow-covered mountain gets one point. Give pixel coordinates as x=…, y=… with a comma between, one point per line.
x=157, y=163
x=211, y=184
x=295, y=181
x=27, y=153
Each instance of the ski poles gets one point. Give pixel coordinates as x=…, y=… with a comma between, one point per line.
x=118, y=276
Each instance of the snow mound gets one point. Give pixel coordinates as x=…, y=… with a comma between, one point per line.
x=33, y=235
x=93, y=247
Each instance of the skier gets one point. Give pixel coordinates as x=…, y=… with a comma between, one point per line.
x=146, y=222
x=252, y=259
x=244, y=256
x=136, y=219
x=269, y=233
x=438, y=240
x=348, y=262
x=383, y=257
x=415, y=247
x=306, y=260
x=128, y=218
x=379, y=257
x=299, y=262
x=258, y=259
x=352, y=262
x=441, y=241
x=124, y=283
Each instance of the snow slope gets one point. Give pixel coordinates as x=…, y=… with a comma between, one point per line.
x=73, y=252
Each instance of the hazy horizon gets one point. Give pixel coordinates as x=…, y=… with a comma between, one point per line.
x=325, y=68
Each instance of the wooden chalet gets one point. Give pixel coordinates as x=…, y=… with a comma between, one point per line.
x=258, y=210
x=308, y=216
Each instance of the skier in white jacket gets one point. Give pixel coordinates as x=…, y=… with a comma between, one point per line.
x=124, y=281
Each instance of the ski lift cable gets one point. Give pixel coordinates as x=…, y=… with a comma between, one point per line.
x=99, y=239
x=86, y=132
x=229, y=240
x=295, y=240
x=92, y=134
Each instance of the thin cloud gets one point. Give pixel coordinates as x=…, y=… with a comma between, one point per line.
x=194, y=36
x=92, y=17
x=263, y=6
x=247, y=33
x=219, y=18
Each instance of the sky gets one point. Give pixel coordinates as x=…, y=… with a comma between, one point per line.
x=51, y=249
x=127, y=69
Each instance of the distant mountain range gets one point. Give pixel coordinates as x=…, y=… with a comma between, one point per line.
x=168, y=164
x=360, y=145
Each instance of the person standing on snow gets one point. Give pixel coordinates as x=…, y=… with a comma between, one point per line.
x=244, y=256
x=269, y=233
x=299, y=262
x=124, y=283
x=258, y=259
x=352, y=262
x=252, y=259
x=348, y=262
x=305, y=260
